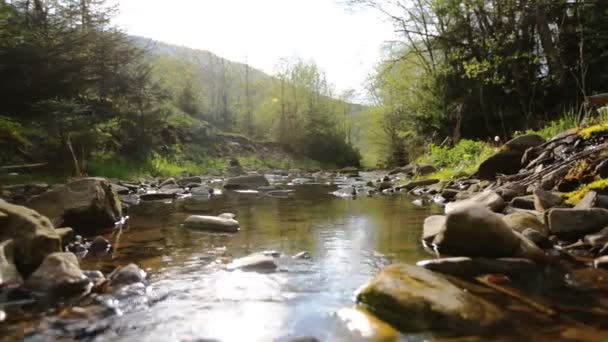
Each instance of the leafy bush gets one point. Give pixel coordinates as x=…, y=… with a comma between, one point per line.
x=463, y=158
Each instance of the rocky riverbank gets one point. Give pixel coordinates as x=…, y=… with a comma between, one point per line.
x=534, y=212
x=505, y=230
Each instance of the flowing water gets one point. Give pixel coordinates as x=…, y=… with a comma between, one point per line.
x=191, y=297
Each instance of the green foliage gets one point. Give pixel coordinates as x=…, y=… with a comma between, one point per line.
x=552, y=128
x=463, y=158
x=483, y=68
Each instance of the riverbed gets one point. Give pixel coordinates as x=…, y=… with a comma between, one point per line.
x=192, y=297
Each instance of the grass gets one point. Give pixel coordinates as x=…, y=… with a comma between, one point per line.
x=159, y=166
x=460, y=160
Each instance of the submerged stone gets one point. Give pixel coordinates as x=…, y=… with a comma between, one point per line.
x=212, y=223
x=412, y=298
x=253, y=262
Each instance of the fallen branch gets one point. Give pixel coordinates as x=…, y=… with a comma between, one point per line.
x=23, y=166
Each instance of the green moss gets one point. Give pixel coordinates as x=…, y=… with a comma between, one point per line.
x=572, y=198
x=588, y=132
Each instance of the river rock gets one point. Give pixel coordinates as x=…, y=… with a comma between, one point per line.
x=449, y=194
x=66, y=235
x=168, y=182
x=121, y=190
x=504, y=162
x=524, y=142
x=593, y=200
x=523, y=202
x=201, y=191
x=468, y=267
x=545, y=200
x=99, y=246
x=157, y=196
x=212, y=223
x=302, y=255
x=189, y=181
x=412, y=298
x=127, y=275
x=601, y=262
x=488, y=199
x=58, y=275
x=365, y=326
x=475, y=231
x=9, y=276
x=538, y=238
x=598, y=239
x=246, y=182
x=85, y=204
x=576, y=222
x=425, y=169
x=520, y=221
x=414, y=184
x=33, y=235
x=253, y=262
x=432, y=226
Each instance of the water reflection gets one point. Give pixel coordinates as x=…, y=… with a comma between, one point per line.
x=349, y=241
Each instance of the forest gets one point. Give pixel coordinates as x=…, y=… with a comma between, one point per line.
x=78, y=89
x=79, y=93
x=483, y=68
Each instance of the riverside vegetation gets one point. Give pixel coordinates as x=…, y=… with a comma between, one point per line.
x=179, y=188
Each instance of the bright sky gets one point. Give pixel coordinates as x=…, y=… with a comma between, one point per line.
x=345, y=43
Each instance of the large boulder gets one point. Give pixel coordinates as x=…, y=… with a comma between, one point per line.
x=475, y=231
x=506, y=162
x=59, y=275
x=85, y=204
x=212, y=223
x=246, y=182
x=412, y=298
x=576, y=222
x=524, y=142
x=33, y=235
x=9, y=276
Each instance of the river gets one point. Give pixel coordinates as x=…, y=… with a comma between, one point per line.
x=192, y=297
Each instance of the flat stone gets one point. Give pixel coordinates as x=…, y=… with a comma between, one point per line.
x=524, y=142
x=246, y=182
x=487, y=198
x=593, y=200
x=577, y=222
x=468, y=267
x=414, y=184
x=212, y=223
x=157, y=196
x=254, y=262
x=523, y=202
x=412, y=298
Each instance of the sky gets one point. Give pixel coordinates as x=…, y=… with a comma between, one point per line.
x=345, y=43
